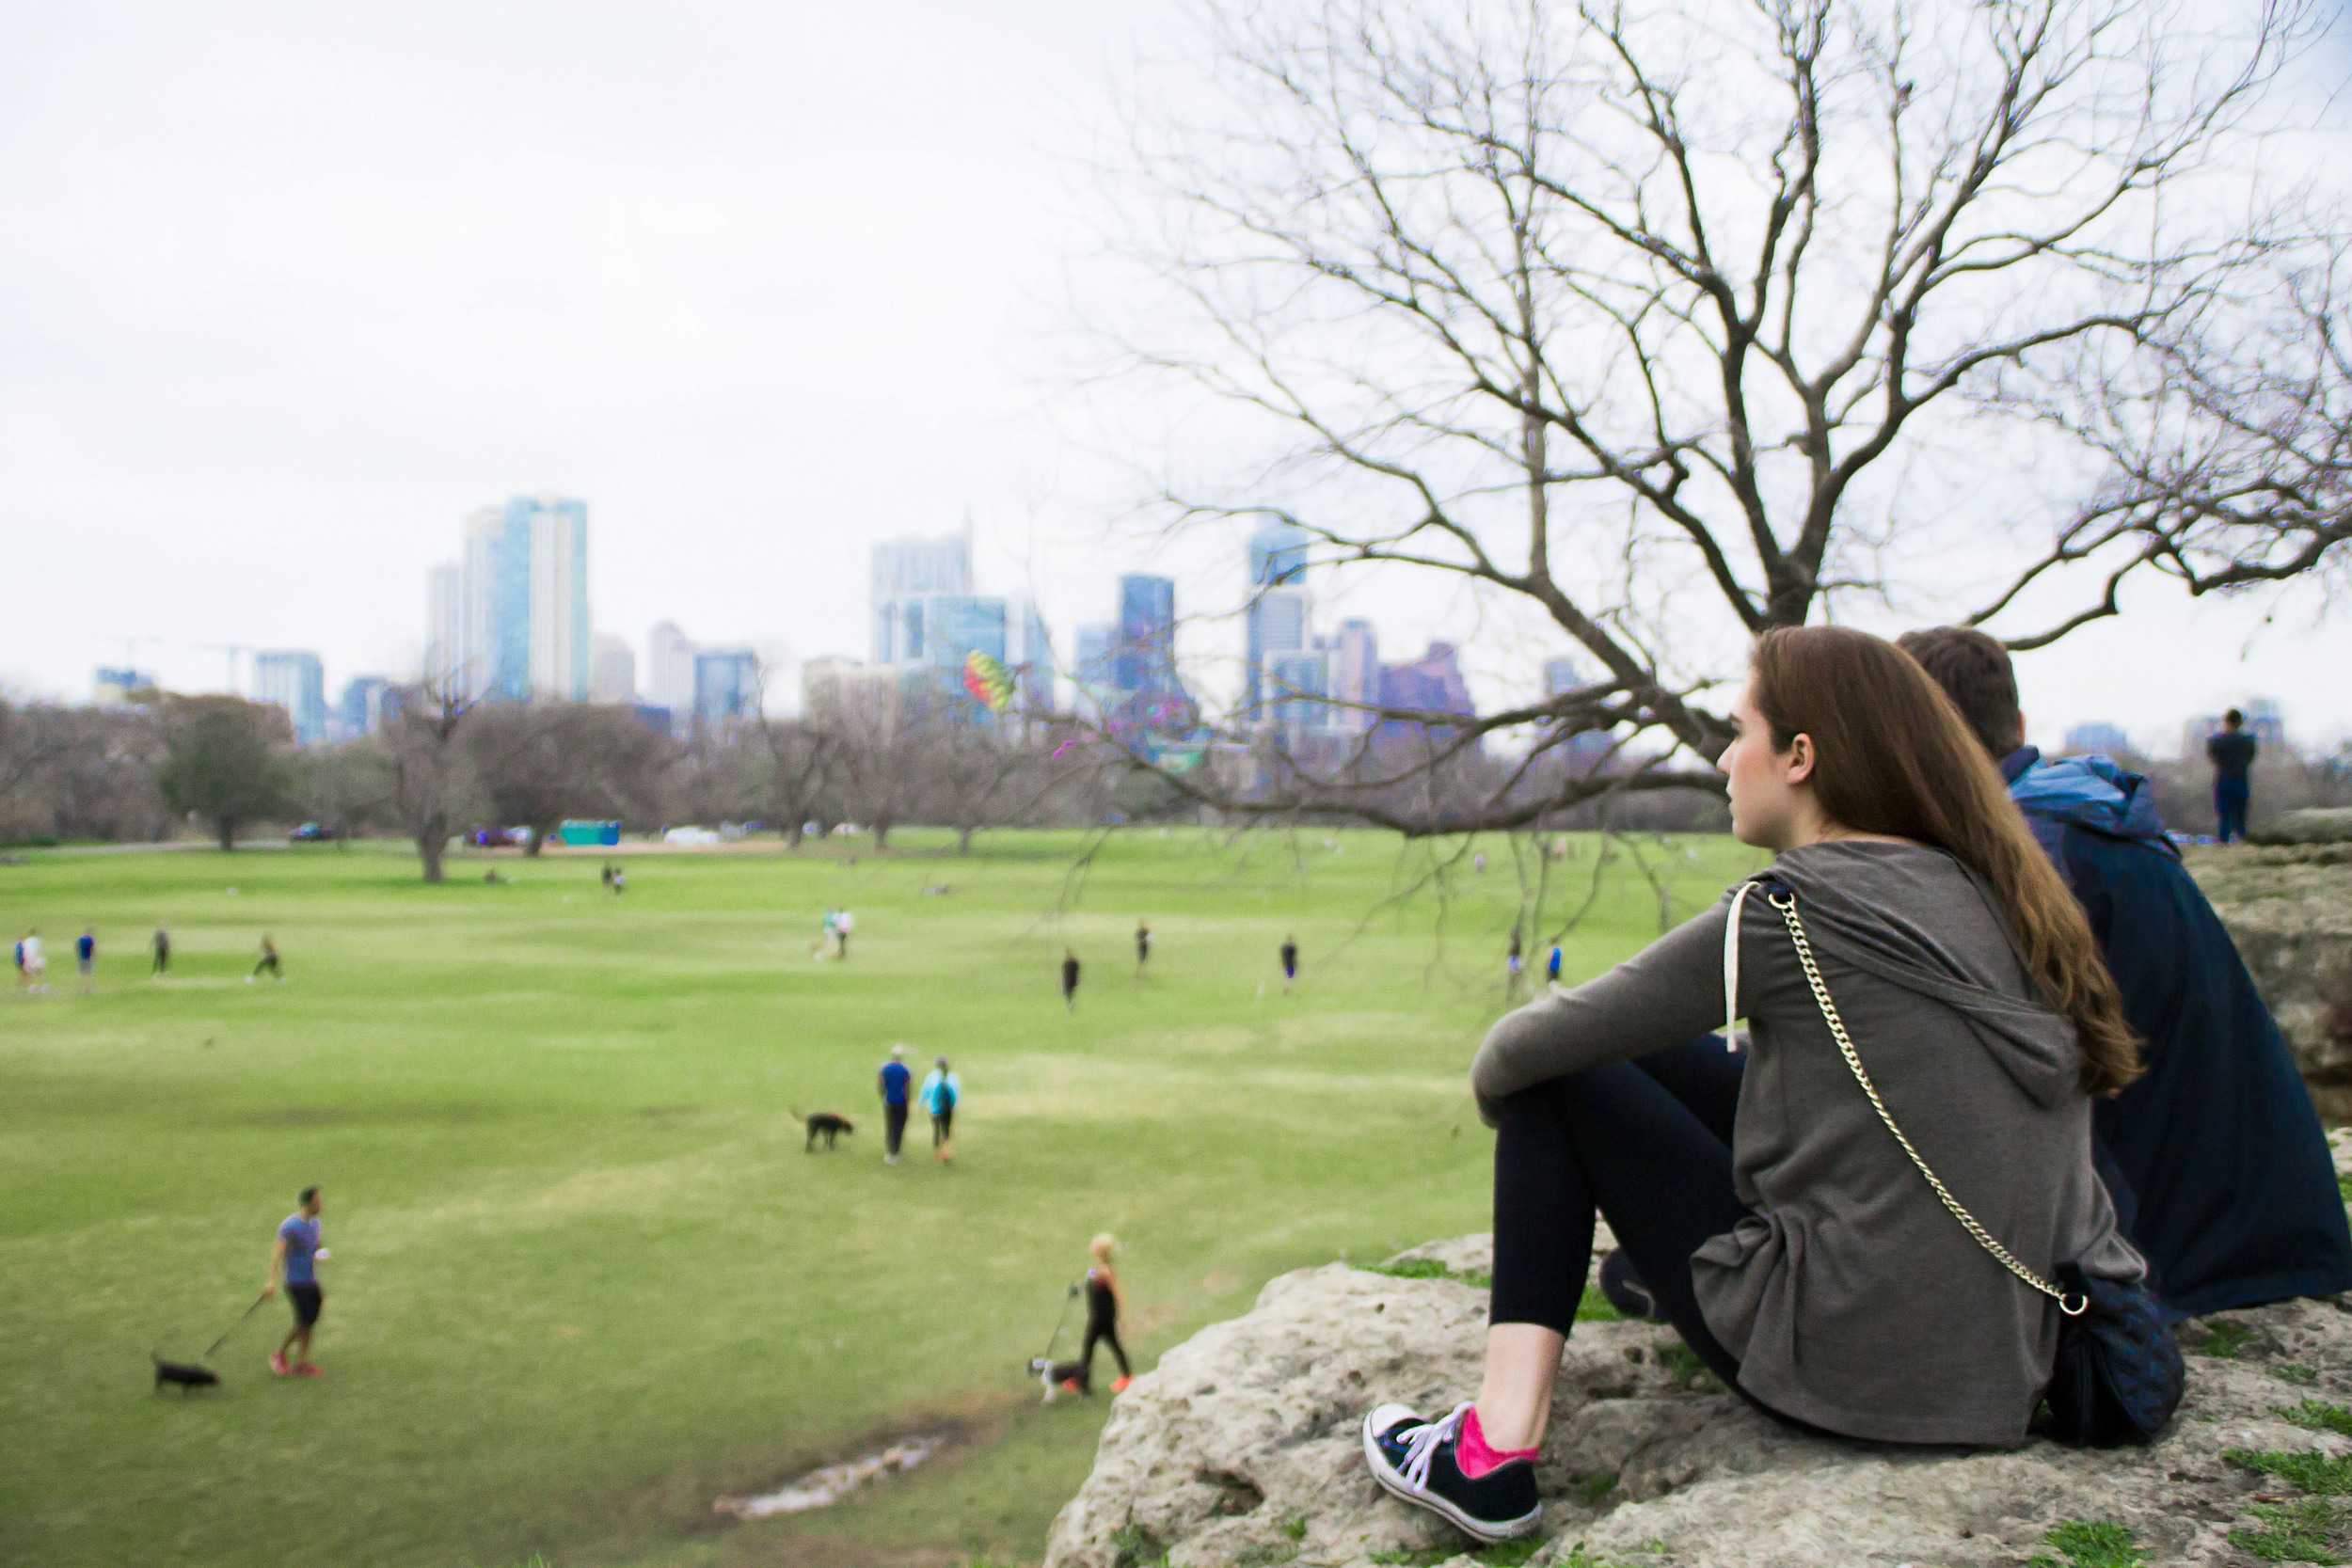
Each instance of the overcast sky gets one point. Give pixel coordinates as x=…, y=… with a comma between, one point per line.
x=290, y=289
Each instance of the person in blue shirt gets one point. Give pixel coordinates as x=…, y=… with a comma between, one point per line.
x=296, y=1258
x=85, y=958
x=895, y=1079
x=2232, y=753
x=2216, y=1159
x=1551, y=965
x=941, y=1093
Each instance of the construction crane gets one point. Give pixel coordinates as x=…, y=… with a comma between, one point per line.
x=232, y=650
x=131, y=648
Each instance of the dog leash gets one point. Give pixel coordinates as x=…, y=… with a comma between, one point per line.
x=216, y=1345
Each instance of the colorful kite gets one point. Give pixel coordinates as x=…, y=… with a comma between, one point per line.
x=988, y=680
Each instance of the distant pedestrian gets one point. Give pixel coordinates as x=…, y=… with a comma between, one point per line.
x=24, y=976
x=1515, y=968
x=86, y=959
x=620, y=882
x=607, y=873
x=941, y=1093
x=269, y=961
x=894, y=1078
x=163, y=954
x=34, y=963
x=1551, y=965
x=1478, y=863
x=1143, y=947
x=296, y=1258
x=843, y=924
x=2232, y=753
x=1069, y=981
x=1290, y=963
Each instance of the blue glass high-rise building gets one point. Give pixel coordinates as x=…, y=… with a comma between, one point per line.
x=526, y=590
x=1276, y=620
x=727, y=687
x=1145, y=659
x=293, y=680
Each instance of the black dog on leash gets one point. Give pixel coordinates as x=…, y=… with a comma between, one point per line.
x=187, y=1375
x=824, y=1124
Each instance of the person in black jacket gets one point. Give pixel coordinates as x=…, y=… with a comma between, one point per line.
x=2232, y=753
x=2218, y=1166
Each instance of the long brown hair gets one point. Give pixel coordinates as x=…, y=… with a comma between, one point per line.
x=1893, y=755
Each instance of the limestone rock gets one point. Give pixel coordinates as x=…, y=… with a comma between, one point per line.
x=2309, y=825
x=2289, y=910
x=1241, y=1447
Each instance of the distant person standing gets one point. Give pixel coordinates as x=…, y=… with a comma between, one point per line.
x=1069, y=981
x=1290, y=963
x=163, y=954
x=620, y=882
x=1143, y=946
x=24, y=978
x=895, y=1079
x=268, y=961
x=86, y=959
x=2232, y=753
x=34, y=963
x=941, y=1092
x=1551, y=965
x=843, y=924
x=296, y=1258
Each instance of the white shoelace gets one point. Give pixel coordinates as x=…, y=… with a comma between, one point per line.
x=1421, y=1445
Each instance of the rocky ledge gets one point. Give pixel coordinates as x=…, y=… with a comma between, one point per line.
x=1241, y=1449
x=2289, y=910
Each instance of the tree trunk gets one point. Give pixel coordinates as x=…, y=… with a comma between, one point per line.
x=431, y=847
x=538, y=837
x=963, y=840
x=227, y=831
x=882, y=837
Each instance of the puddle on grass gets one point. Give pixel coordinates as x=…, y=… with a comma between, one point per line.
x=829, y=1484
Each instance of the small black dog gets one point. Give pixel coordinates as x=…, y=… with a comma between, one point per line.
x=823, y=1124
x=181, y=1373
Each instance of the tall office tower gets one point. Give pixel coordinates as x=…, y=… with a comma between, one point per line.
x=1561, y=676
x=526, y=583
x=1145, y=659
x=1276, y=620
x=295, y=680
x=1091, y=668
x=363, y=706
x=1278, y=630
x=669, y=668
x=1430, y=685
x=727, y=687
x=445, y=630
x=1354, y=674
x=838, y=691
x=904, y=569
x=1030, y=652
x=615, y=678
x=1296, y=683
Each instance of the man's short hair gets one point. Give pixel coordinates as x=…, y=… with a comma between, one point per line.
x=1976, y=674
x=307, y=1194
x=2235, y=718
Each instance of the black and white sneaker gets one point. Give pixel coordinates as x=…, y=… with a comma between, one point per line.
x=1413, y=1460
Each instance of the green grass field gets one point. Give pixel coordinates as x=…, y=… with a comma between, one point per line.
x=584, y=1279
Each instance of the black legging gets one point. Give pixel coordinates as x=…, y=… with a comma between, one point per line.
x=1646, y=1142
x=893, y=1127
x=1102, y=1326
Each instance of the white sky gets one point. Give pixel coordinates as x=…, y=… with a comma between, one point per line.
x=290, y=289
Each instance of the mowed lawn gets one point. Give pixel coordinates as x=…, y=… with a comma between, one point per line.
x=584, y=1279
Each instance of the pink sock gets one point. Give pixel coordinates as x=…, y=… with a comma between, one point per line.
x=1473, y=1455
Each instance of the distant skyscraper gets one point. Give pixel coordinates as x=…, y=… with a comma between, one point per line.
x=615, y=677
x=445, y=655
x=669, y=668
x=1297, y=684
x=295, y=681
x=362, y=709
x=1276, y=620
x=904, y=569
x=727, y=687
x=1355, y=674
x=526, y=586
x=1145, y=659
x=2097, y=736
x=1092, y=665
x=1431, y=684
x=1030, y=652
x=1561, y=676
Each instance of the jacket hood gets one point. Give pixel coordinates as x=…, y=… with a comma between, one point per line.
x=1888, y=909
x=2091, y=792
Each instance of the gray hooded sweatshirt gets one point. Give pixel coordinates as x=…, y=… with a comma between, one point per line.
x=1852, y=1300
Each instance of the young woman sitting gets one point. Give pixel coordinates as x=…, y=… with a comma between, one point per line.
x=1761, y=1200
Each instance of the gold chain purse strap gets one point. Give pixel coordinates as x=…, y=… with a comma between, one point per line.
x=2072, y=1306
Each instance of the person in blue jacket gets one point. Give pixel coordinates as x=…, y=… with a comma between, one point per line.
x=2218, y=1166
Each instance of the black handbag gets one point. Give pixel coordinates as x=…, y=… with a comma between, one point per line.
x=2118, y=1376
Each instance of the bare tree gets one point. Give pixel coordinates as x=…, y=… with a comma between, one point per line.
x=432, y=784
x=1658, y=327
x=539, y=763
